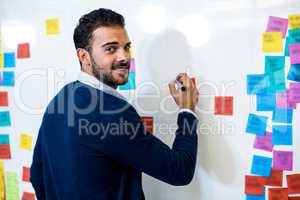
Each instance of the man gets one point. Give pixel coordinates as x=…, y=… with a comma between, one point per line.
x=92, y=143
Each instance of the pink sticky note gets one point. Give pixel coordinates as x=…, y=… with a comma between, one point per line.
x=277, y=24
x=282, y=101
x=295, y=53
x=294, y=93
x=132, y=65
x=283, y=160
x=264, y=142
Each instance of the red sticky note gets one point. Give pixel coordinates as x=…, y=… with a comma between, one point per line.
x=223, y=105
x=294, y=198
x=28, y=196
x=26, y=174
x=4, y=151
x=275, y=179
x=3, y=99
x=148, y=123
x=254, y=185
x=293, y=182
x=278, y=194
x=23, y=50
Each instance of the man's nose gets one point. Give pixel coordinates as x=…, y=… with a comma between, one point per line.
x=123, y=55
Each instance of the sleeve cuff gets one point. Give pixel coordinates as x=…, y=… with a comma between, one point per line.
x=189, y=111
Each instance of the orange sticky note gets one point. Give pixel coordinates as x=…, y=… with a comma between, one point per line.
x=3, y=99
x=272, y=42
x=254, y=185
x=293, y=182
x=28, y=196
x=278, y=194
x=294, y=21
x=148, y=123
x=224, y=105
x=26, y=174
x=25, y=141
x=52, y=26
x=275, y=179
x=23, y=50
x=5, y=151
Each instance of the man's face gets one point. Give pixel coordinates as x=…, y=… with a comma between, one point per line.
x=110, y=56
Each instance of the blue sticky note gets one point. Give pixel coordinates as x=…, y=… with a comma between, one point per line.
x=257, y=83
x=274, y=63
x=130, y=84
x=255, y=197
x=265, y=102
x=282, y=135
x=9, y=59
x=295, y=34
x=257, y=124
x=8, y=79
x=294, y=73
x=4, y=118
x=4, y=139
x=261, y=166
x=282, y=115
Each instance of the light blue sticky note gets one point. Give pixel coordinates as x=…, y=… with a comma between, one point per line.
x=295, y=34
x=282, y=135
x=274, y=63
x=255, y=197
x=265, y=102
x=257, y=124
x=257, y=83
x=275, y=70
x=4, y=118
x=261, y=166
x=9, y=59
x=8, y=79
x=4, y=139
x=282, y=115
x=130, y=84
x=294, y=73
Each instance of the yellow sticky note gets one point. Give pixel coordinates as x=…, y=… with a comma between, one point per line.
x=52, y=26
x=294, y=21
x=1, y=60
x=25, y=141
x=2, y=181
x=272, y=42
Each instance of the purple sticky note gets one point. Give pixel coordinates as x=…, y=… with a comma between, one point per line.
x=277, y=24
x=295, y=53
x=282, y=101
x=294, y=93
x=283, y=160
x=132, y=65
x=264, y=142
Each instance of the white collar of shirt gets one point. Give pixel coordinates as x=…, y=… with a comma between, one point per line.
x=95, y=83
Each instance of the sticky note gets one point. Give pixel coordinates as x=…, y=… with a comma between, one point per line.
x=4, y=139
x=294, y=73
x=25, y=141
x=26, y=174
x=2, y=181
x=277, y=24
x=3, y=99
x=282, y=135
x=52, y=26
x=8, y=78
x=272, y=42
x=283, y=160
x=295, y=53
x=223, y=105
x=277, y=81
x=261, y=165
x=275, y=179
x=148, y=123
x=254, y=185
x=12, y=186
x=255, y=197
x=130, y=84
x=265, y=102
x=293, y=182
x=4, y=118
x=23, y=51
x=5, y=151
x=278, y=194
x=294, y=21
x=256, y=124
x=264, y=142
x=294, y=93
x=1, y=60
x=274, y=63
x=257, y=83
x=294, y=198
x=282, y=101
x=282, y=115
x=28, y=196
x=9, y=59
x=132, y=65
x=295, y=34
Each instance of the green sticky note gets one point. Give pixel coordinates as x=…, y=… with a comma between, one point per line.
x=12, y=186
x=130, y=85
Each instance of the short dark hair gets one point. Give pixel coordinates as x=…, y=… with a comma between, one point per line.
x=88, y=23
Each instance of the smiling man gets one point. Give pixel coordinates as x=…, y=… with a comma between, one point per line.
x=92, y=144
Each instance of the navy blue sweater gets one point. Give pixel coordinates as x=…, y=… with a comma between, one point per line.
x=93, y=146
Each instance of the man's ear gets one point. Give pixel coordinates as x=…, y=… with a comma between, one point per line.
x=84, y=57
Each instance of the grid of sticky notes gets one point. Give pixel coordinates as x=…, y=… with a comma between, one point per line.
x=277, y=96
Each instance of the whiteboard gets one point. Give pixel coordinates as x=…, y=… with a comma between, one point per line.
x=216, y=41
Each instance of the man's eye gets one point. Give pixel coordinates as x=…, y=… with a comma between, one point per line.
x=127, y=48
x=110, y=49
